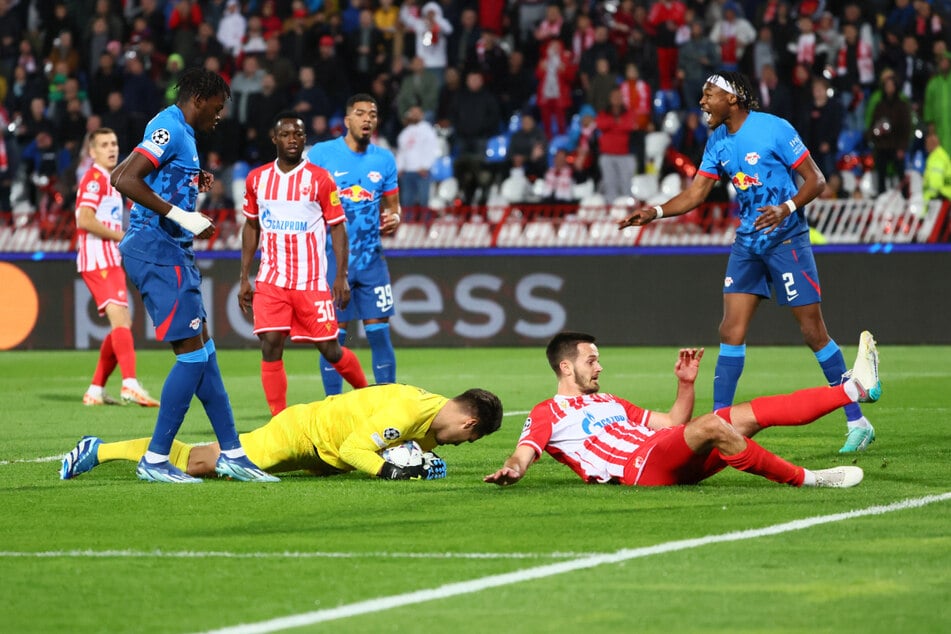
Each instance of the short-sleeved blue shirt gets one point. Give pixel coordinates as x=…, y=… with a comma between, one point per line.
x=169, y=144
x=760, y=160
x=362, y=181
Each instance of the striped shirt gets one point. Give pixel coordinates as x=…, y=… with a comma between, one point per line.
x=595, y=435
x=294, y=211
x=97, y=192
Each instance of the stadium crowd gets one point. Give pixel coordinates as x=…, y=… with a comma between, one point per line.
x=574, y=86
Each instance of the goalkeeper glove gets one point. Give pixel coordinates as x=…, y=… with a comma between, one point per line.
x=432, y=469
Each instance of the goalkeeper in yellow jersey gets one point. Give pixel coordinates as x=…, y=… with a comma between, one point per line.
x=341, y=433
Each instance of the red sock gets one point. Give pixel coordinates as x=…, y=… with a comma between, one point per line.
x=349, y=368
x=274, y=380
x=800, y=407
x=755, y=459
x=107, y=362
x=125, y=351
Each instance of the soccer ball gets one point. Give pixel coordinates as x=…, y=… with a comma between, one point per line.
x=407, y=454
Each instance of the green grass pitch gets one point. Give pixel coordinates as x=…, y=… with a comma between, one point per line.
x=108, y=553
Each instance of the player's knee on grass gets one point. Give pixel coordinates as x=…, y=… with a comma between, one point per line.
x=710, y=431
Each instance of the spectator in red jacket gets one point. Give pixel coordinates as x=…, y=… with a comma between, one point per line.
x=556, y=74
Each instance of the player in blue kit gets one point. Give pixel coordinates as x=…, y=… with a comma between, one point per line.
x=162, y=176
x=366, y=181
x=760, y=154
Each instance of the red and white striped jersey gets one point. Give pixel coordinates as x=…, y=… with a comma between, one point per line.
x=97, y=192
x=294, y=210
x=594, y=434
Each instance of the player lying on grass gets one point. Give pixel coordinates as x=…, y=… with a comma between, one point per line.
x=338, y=434
x=604, y=438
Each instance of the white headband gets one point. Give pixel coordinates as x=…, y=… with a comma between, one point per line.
x=721, y=83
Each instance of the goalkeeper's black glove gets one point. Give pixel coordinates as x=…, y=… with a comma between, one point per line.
x=433, y=468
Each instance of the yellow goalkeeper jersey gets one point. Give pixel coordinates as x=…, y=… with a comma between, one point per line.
x=346, y=431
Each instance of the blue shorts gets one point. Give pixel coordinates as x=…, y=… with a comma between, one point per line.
x=371, y=295
x=789, y=269
x=172, y=297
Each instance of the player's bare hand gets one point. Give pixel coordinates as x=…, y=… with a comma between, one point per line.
x=205, y=181
x=688, y=364
x=245, y=296
x=639, y=218
x=504, y=476
x=770, y=217
x=390, y=222
x=341, y=292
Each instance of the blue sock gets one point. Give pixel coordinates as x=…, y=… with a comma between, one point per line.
x=333, y=382
x=833, y=367
x=211, y=392
x=727, y=374
x=384, y=357
x=177, y=393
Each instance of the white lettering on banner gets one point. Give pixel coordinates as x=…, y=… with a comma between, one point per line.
x=557, y=316
x=406, y=291
x=419, y=304
x=466, y=299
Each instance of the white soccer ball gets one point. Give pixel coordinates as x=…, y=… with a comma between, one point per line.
x=407, y=454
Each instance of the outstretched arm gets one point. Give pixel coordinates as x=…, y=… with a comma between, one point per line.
x=514, y=468
x=685, y=201
x=686, y=370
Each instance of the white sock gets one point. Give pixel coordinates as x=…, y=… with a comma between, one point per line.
x=809, y=478
x=95, y=390
x=858, y=422
x=852, y=390
x=234, y=453
x=155, y=458
x=132, y=383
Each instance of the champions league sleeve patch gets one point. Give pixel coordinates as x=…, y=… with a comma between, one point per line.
x=391, y=433
x=161, y=137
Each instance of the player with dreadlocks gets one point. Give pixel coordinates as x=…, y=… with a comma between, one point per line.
x=760, y=154
x=163, y=178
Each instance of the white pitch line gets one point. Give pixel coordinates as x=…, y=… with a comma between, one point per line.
x=524, y=413
x=540, y=572
x=33, y=460
x=188, y=554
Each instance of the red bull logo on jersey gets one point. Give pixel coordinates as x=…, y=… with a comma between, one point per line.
x=744, y=181
x=356, y=194
x=375, y=177
x=752, y=158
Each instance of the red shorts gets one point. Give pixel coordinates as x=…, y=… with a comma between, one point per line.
x=307, y=315
x=107, y=287
x=665, y=459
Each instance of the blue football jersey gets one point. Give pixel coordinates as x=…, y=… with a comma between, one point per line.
x=169, y=144
x=760, y=160
x=362, y=181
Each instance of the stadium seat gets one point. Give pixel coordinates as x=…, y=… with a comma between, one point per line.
x=592, y=206
x=573, y=232
x=443, y=233
x=580, y=191
x=849, y=142
x=515, y=123
x=671, y=123
x=510, y=234
x=496, y=149
x=441, y=169
x=448, y=189
x=622, y=207
x=475, y=234
x=671, y=185
x=644, y=186
x=655, y=145
x=515, y=189
x=538, y=233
